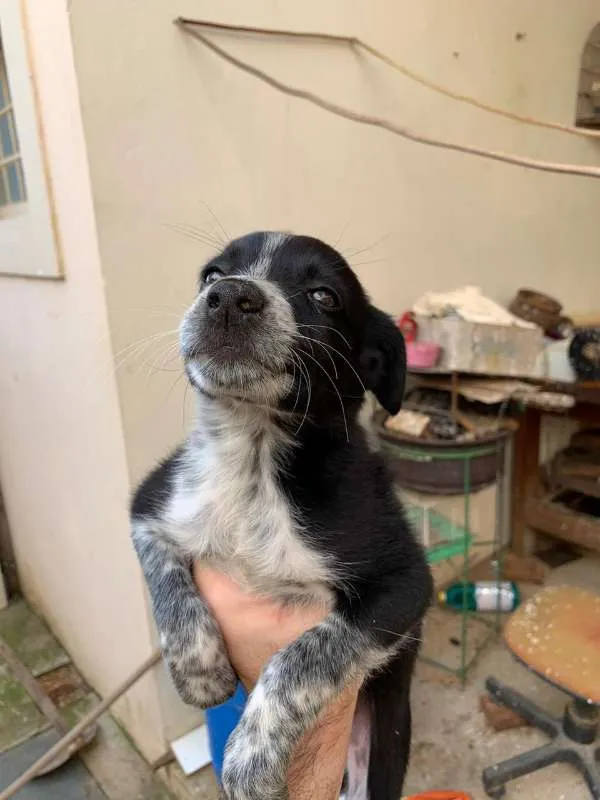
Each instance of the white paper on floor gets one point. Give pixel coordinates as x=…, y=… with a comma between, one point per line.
x=192, y=750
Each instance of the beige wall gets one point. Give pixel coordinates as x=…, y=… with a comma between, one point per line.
x=170, y=128
x=62, y=455
x=173, y=134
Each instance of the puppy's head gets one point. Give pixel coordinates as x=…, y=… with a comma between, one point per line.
x=282, y=320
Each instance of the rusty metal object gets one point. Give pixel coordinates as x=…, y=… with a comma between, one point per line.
x=63, y=685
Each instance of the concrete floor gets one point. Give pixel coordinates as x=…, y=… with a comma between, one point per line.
x=451, y=740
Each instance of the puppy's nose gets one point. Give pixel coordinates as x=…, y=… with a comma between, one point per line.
x=235, y=297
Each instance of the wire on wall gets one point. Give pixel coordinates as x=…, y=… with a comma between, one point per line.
x=190, y=28
x=359, y=44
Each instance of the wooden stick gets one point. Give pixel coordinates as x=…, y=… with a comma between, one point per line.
x=379, y=122
x=354, y=41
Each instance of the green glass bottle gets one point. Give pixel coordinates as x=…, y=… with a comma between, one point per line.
x=482, y=596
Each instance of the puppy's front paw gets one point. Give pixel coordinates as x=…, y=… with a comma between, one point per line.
x=254, y=769
x=197, y=661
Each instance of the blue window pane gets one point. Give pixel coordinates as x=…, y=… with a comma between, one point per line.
x=6, y=138
x=3, y=89
x=4, y=198
x=16, y=182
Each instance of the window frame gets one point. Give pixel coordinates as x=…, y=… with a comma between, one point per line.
x=28, y=237
x=7, y=116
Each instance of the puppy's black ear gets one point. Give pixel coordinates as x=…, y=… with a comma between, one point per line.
x=383, y=360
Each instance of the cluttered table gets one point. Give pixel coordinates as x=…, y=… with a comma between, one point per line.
x=478, y=369
x=534, y=504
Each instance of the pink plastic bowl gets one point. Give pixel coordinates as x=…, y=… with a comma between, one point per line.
x=422, y=355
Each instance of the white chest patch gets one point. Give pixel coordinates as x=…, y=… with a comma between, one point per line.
x=228, y=510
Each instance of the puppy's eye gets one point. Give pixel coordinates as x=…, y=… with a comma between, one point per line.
x=212, y=275
x=325, y=297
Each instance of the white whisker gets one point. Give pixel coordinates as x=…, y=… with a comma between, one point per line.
x=329, y=328
x=341, y=355
x=318, y=363
x=306, y=375
x=310, y=340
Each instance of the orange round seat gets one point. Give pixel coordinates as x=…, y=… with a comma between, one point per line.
x=557, y=634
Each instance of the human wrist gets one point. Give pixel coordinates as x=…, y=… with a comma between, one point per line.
x=320, y=757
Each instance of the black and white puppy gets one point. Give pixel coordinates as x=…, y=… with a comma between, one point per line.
x=278, y=486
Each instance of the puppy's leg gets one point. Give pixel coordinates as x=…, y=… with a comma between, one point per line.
x=190, y=639
x=302, y=679
x=294, y=688
x=387, y=695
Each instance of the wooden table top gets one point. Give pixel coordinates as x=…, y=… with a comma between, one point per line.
x=557, y=634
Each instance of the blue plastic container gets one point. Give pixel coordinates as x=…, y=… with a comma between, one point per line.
x=221, y=720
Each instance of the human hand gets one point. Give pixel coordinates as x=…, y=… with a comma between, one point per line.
x=254, y=629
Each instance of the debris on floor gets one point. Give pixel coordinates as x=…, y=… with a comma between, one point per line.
x=452, y=739
x=499, y=717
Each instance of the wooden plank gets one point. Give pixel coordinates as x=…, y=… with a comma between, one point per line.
x=525, y=474
x=576, y=484
x=527, y=569
x=556, y=520
x=583, y=468
x=587, y=439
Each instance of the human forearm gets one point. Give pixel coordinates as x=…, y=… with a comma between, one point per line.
x=320, y=757
x=254, y=629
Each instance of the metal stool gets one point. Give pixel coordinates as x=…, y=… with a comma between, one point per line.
x=557, y=636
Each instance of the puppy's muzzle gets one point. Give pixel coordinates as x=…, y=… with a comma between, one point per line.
x=234, y=303
x=237, y=336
